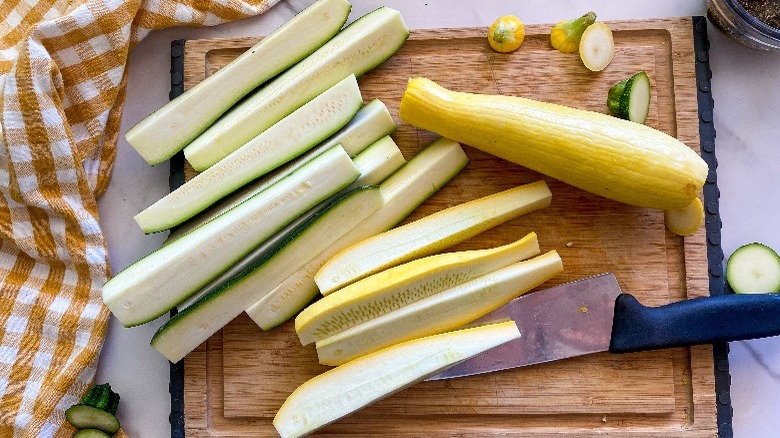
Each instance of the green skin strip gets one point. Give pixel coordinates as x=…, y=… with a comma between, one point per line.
x=615, y=96
x=619, y=96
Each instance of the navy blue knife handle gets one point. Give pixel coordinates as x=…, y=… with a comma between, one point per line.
x=636, y=327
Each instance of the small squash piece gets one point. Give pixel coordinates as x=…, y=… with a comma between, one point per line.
x=352, y=386
x=754, y=268
x=617, y=159
x=686, y=221
x=506, y=34
x=96, y=410
x=565, y=36
x=630, y=98
x=597, y=47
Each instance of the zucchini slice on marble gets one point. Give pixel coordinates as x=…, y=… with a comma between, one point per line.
x=754, y=268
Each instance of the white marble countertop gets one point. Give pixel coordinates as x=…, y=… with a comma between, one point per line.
x=747, y=103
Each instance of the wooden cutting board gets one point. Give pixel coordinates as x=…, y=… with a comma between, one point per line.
x=236, y=381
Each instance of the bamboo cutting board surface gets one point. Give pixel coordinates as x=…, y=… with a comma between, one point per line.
x=236, y=381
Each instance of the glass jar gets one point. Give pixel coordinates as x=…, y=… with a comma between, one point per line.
x=736, y=22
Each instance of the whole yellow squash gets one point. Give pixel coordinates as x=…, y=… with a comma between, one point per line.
x=617, y=159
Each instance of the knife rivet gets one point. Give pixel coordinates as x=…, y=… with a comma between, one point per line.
x=702, y=56
x=706, y=116
x=708, y=146
x=724, y=398
x=723, y=365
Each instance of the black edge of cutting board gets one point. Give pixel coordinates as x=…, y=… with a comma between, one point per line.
x=176, y=179
x=713, y=225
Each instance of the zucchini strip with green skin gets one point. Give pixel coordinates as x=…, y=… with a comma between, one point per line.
x=166, y=277
x=373, y=170
x=371, y=123
x=166, y=131
x=358, y=48
x=403, y=191
x=291, y=137
x=378, y=162
x=196, y=323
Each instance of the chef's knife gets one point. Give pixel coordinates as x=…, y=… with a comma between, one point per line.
x=593, y=315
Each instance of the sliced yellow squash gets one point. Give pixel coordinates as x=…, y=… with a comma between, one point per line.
x=613, y=158
x=430, y=234
x=402, y=285
x=686, y=221
x=343, y=390
x=442, y=312
x=597, y=47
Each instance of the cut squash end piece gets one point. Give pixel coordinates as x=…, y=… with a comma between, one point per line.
x=686, y=221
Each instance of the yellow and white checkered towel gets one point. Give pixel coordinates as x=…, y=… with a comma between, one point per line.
x=62, y=86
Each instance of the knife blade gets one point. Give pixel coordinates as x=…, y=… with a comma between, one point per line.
x=593, y=315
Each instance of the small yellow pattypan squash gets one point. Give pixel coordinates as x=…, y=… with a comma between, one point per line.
x=565, y=36
x=506, y=34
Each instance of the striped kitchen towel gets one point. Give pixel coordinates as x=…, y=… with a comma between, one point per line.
x=62, y=86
